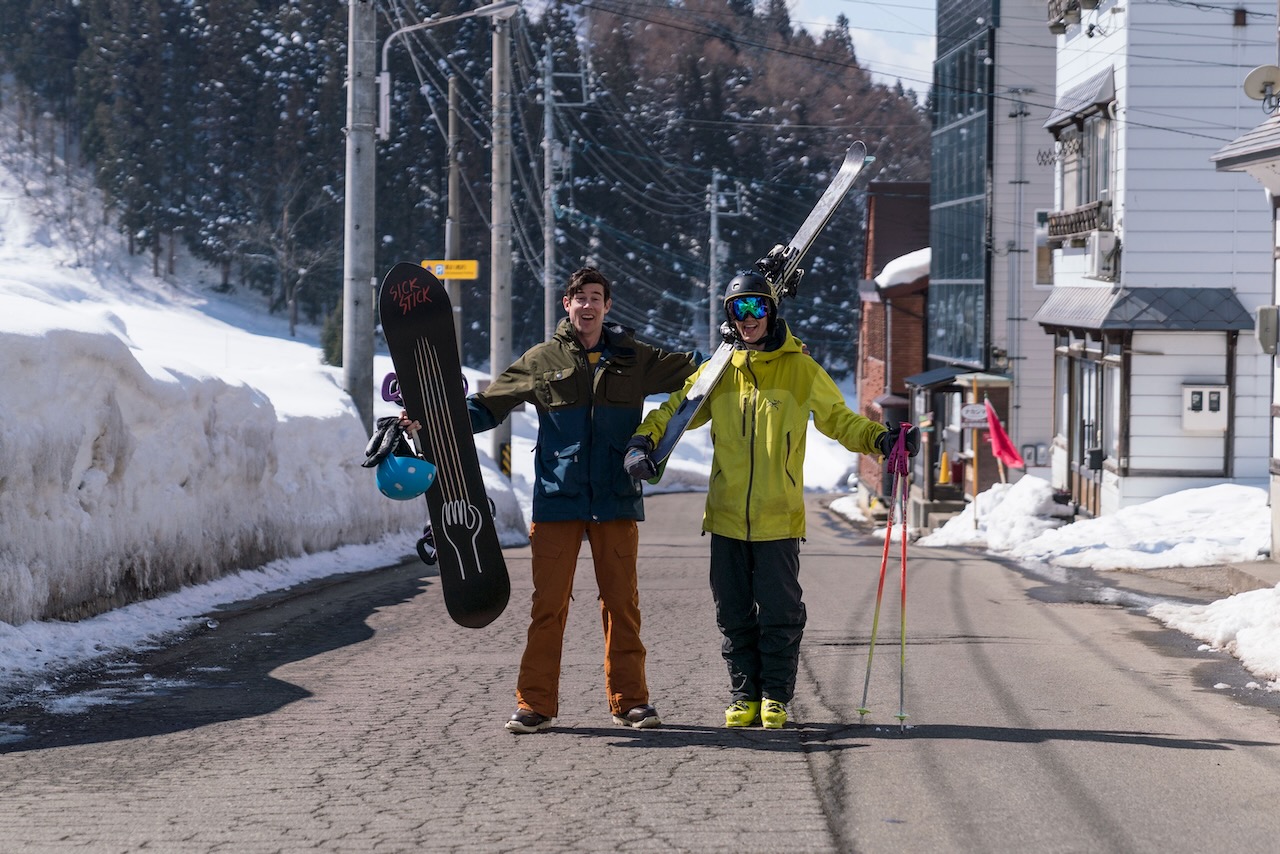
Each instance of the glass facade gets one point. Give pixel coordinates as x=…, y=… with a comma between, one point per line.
x=959, y=209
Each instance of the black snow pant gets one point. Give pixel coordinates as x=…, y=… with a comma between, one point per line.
x=756, y=587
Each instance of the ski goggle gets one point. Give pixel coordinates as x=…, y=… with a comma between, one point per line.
x=743, y=307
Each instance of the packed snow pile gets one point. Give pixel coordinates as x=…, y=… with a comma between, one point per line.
x=1006, y=516
x=1141, y=536
x=1221, y=524
x=146, y=444
x=1247, y=625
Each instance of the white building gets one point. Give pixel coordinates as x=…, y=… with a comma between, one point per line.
x=1159, y=262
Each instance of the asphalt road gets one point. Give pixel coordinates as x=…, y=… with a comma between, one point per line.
x=1042, y=715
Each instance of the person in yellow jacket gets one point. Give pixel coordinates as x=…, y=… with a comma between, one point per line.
x=759, y=413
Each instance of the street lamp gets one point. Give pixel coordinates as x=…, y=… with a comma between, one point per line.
x=500, y=244
x=359, y=283
x=502, y=10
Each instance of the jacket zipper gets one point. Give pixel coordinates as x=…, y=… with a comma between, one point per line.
x=751, y=441
x=592, y=381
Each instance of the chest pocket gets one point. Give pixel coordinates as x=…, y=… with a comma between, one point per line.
x=559, y=388
x=621, y=385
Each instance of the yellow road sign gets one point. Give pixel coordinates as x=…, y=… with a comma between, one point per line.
x=453, y=269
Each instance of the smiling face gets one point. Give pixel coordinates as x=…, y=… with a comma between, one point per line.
x=752, y=330
x=750, y=318
x=587, y=308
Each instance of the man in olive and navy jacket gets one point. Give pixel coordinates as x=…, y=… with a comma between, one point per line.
x=588, y=385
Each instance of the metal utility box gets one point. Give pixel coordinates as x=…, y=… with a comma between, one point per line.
x=1204, y=407
x=1268, y=328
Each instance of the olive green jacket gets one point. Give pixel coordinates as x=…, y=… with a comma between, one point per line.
x=585, y=418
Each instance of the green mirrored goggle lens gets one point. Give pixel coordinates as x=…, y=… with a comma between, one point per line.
x=744, y=307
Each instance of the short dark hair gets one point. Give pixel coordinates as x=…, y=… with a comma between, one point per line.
x=587, y=276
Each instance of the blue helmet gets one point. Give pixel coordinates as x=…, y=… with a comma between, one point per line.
x=403, y=478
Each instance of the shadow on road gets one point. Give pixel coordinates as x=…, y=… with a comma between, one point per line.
x=220, y=672
x=1023, y=735
x=805, y=738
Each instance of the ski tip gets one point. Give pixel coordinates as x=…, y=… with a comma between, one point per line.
x=870, y=158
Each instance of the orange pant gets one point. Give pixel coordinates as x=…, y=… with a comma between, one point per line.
x=555, y=547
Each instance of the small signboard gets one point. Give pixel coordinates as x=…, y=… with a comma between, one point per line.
x=453, y=269
x=973, y=416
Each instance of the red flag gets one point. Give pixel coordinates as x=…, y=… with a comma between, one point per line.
x=1001, y=444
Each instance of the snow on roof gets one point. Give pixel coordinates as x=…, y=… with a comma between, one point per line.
x=905, y=268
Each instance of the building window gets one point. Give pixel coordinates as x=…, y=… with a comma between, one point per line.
x=959, y=214
x=1085, y=161
x=1087, y=417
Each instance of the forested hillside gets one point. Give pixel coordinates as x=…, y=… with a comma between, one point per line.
x=221, y=126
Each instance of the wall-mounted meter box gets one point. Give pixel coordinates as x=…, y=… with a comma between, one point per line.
x=1267, y=329
x=1204, y=407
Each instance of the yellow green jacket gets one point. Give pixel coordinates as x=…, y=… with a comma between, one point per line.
x=759, y=413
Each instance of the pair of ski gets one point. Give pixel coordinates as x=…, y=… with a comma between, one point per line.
x=781, y=269
x=417, y=322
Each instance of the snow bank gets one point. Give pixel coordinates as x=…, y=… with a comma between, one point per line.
x=146, y=444
x=121, y=477
x=1007, y=515
x=1247, y=625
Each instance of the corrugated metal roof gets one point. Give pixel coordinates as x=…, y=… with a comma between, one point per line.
x=1182, y=309
x=1097, y=90
x=1081, y=308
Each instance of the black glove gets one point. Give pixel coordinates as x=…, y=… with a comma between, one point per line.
x=637, y=460
x=889, y=439
x=387, y=439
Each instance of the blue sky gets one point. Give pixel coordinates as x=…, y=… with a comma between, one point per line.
x=892, y=40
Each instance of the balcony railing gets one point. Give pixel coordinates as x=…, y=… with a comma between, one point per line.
x=1074, y=225
x=1064, y=12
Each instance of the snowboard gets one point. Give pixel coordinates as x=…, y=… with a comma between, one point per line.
x=417, y=321
x=781, y=268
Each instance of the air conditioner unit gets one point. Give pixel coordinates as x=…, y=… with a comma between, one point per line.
x=1101, y=253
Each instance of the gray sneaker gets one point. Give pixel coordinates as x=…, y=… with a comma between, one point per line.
x=641, y=717
x=527, y=720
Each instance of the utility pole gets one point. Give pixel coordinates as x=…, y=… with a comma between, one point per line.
x=714, y=296
x=1017, y=251
x=358, y=280
x=548, y=195
x=552, y=157
x=500, y=250
x=713, y=266
x=499, y=10
x=452, y=239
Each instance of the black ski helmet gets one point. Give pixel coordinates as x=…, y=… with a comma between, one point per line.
x=750, y=283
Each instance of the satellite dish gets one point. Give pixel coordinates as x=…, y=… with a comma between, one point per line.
x=1262, y=82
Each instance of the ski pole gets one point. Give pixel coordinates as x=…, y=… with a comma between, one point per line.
x=901, y=475
x=875, y=619
x=897, y=464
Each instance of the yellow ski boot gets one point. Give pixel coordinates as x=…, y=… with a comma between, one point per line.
x=742, y=713
x=773, y=714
